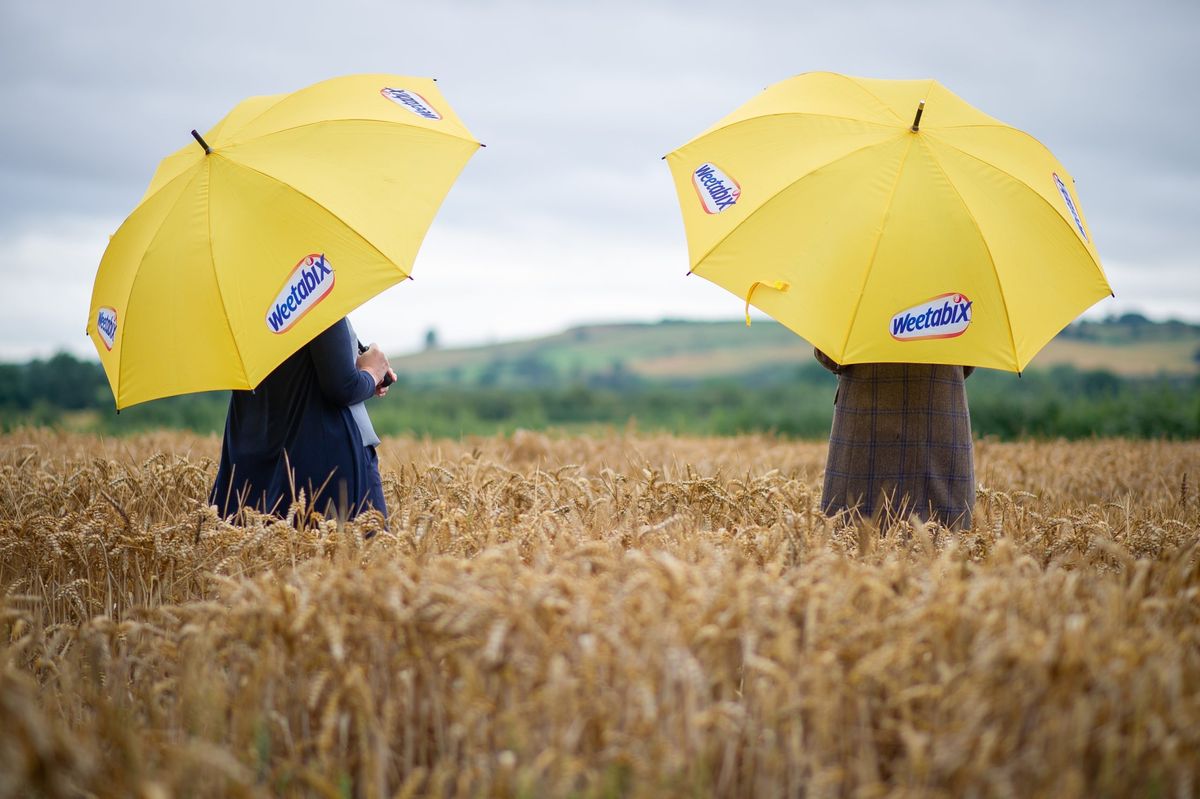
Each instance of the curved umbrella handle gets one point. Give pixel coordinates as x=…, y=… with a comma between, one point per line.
x=778, y=285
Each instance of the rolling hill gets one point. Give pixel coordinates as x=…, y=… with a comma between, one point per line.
x=682, y=351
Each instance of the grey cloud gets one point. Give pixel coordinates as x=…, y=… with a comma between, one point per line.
x=578, y=101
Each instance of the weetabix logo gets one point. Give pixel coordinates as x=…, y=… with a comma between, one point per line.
x=308, y=284
x=414, y=102
x=943, y=316
x=716, y=190
x=1066, y=195
x=106, y=326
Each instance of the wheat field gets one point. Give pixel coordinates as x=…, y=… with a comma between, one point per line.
x=621, y=614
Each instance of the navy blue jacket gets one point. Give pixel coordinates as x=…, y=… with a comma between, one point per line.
x=295, y=432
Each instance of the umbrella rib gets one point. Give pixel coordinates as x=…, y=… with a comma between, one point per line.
x=1020, y=182
x=342, y=120
x=868, y=92
x=212, y=259
x=323, y=207
x=875, y=249
x=282, y=98
x=987, y=248
x=766, y=202
x=847, y=78
x=138, y=273
x=997, y=125
x=165, y=186
x=714, y=130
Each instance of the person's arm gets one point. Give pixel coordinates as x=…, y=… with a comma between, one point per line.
x=341, y=381
x=827, y=362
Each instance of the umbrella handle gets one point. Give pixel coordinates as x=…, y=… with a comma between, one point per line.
x=778, y=285
x=387, y=378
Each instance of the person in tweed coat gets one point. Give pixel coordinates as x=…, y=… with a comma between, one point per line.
x=901, y=442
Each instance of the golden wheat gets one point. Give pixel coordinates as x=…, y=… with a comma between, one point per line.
x=621, y=615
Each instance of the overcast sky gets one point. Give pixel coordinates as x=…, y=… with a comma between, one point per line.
x=569, y=216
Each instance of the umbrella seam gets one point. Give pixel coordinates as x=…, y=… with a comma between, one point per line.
x=1049, y=204
x=713, y=131
x=306, y=196
x=212, y=258
x=875, y=250
x=869, y=93
x=163, y=187
x=343, y=222
x=933, y=129
x=282, y=97
x=996, y=272
x=263, y=136
x=767, y=201
x=1070, y=229
x=138, y=273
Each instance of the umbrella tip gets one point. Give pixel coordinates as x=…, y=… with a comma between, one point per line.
x=203, y=143
x=917, y=119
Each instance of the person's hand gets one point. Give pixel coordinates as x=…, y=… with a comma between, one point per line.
x=374, y=362
x=382, y=390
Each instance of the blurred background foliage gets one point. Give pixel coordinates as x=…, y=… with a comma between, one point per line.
x=1123, y=376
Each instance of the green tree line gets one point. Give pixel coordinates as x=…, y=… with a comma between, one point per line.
x=64, y=391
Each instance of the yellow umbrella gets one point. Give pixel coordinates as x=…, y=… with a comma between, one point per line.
x=293, y=210
x=883, y=233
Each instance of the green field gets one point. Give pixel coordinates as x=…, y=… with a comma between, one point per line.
x=1125, y=377
x=697, y=351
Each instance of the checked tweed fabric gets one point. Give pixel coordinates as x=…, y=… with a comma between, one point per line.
x=901, y=442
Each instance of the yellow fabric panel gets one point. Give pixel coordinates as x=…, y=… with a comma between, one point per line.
x=385, y=180
x=184, y=159
x=172, y=343
x=352, y=97
x=942, y=106
x=242, y=113
x=825, y=94
x=261, y=230
x=761, y=155
x=928, y=246
x=192, y=153
x=883, y=102
x=811, y=236
x=1025, y=159
x=1049, y=275
x=120, y=263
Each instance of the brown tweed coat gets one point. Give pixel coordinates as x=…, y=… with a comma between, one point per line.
x=901, y=442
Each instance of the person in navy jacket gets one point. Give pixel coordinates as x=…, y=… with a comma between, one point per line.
x=305, y=428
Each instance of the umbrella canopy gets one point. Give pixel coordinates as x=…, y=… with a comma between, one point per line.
x=290, y=212
x=888, y=221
